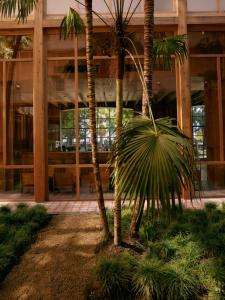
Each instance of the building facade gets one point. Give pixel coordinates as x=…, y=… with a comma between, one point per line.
x=44, y=133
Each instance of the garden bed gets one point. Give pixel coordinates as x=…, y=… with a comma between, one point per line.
x=17, y=231
x=183, y=260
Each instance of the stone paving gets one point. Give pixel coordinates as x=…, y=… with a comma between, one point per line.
x=70, y=207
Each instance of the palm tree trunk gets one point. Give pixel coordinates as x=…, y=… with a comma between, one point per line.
x=148, y=51
x=92, y=106
x=148, y=72
x=119, y=122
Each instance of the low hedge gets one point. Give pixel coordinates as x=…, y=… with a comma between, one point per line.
x=18, y=230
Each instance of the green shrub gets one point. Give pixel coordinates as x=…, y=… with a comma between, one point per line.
x=38, y=215
x=3, y=232
x=5, y=210
x=180, y=283
x=20, y=216
x=17, y=231
x=7, y=259
x=148, y=279
x=210, y=206
x=21, y=239
x=114, y=276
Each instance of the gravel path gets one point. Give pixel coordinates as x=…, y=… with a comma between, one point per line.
x=57, y=266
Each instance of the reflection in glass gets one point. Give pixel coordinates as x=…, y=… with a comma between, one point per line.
x=19, y=112
x=17, y=180
x=205, y=107
x=61, y=127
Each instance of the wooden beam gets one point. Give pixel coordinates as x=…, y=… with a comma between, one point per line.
x=183, y=72
x=220, y=109
x=40, y=110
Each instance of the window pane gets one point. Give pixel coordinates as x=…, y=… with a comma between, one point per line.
x=59, y=47
x=17, y=181
x=17, y=46
x=207, y=42
x=59, y=7
x=61, y=118
x=164, y=6
x=202, y=5
x=205, y=107
x=19, y=113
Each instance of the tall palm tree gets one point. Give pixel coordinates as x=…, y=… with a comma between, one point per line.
x=92, y=110
x=120, y=36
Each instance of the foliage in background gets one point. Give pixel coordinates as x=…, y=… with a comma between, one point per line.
x=17, y=231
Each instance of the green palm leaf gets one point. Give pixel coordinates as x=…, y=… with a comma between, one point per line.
x=19, y=8
x=71, y=24
x=153, y=164
x=165, y=47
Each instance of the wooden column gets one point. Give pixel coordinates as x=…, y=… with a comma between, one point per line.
x=40, y=110
x=77, y=119
x=220, y=108
x=183, y=77
x=183, y=83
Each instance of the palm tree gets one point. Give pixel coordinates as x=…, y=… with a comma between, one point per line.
x=92, y=106
x=120, y=42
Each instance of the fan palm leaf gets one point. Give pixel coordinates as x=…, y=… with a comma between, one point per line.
x=164, y=48
x=72, y=24
x=153, y=162
x=19, y=8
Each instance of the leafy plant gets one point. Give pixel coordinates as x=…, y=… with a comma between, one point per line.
x=114, y=275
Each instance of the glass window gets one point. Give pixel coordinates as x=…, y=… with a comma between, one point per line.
x=222, y=5
x=17, y=46
x=59, y=7
x=61, y=143
x=164, y=6
x=59, y=47
x=18, y=181
x=198, y=130
x=205, y=107
x=105, y=121
x=205, y=42
x=19, y=112
x=202, y=5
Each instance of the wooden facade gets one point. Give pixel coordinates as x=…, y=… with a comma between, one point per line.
x=61, y=65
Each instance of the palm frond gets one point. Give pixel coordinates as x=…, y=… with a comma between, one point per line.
x=71, y=24
x=152, y=164
x=20, y=9
x=166, y=47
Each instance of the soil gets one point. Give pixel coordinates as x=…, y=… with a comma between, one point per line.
x=58, y=265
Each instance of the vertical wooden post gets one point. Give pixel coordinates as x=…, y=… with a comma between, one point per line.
x=183, y=80
x=183, y=83
x=220, y=108
x=77, y=119
x=40, y=110
x=4, y=124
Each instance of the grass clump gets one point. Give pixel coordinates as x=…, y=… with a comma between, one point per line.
x=17, y=230
x=184, y=259
x=115, y=276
